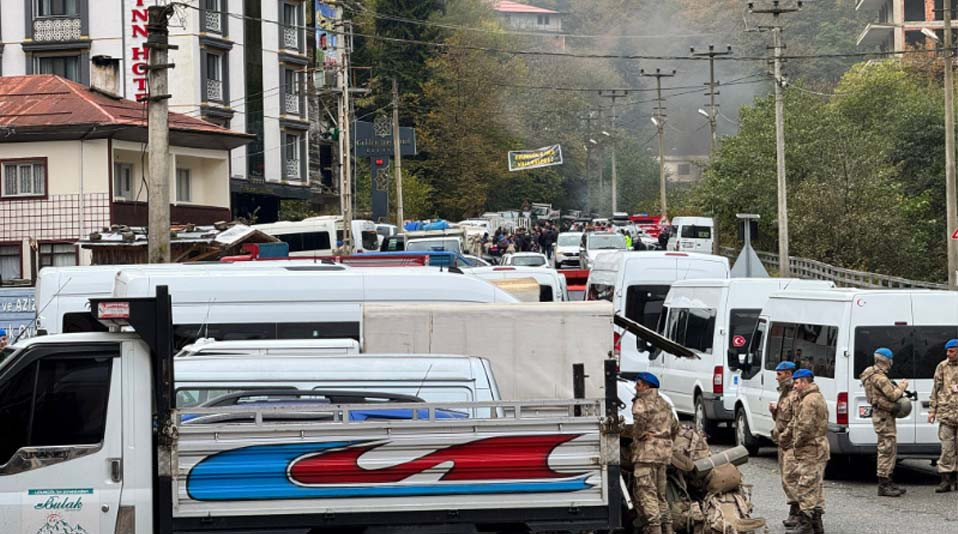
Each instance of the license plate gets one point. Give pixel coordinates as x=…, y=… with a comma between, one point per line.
x=864, y=412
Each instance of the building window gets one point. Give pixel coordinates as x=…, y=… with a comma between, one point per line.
x=542, y=20
x=64, y=66
x=939, y=10
x=213, y=16
x=9, y=262
x=184, y=184
x=53, y=8
x=291, y=156
x=123, y=181
x=292, y=21
x=684, y=169
x=24, y=179
x=292, y=91
x=214, y=77
x=57, y=255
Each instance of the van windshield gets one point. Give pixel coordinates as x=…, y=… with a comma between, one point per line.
x=607, y=241
x=917, y=349
x=643, y=304
x=370, y=240
x=696, y=232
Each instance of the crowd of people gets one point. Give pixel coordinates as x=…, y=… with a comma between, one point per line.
x=538, y=239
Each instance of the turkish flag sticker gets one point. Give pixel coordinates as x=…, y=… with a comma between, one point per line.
x=738, y=341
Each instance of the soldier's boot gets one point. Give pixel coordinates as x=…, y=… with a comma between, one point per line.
x=793, y=512
x=804, y=525
x=945, y=485
x=818, y=526
x=887, y=488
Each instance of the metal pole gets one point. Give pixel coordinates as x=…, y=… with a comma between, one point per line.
x=783, y=263
x=158, y=132
x=346, y=191
x=397, y=155
x=615, y=175
x=659, y=121
x=951, y=217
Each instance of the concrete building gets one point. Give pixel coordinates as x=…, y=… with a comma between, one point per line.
x=73, y=160
x=528, y=18
x=240, y=64
x=684, y=169
x=898, y=23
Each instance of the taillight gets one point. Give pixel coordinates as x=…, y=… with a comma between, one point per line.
x=616, y=344
x=718, y=380
x=841, y=409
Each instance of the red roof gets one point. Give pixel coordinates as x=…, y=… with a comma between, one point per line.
x=504, y=6
x=48, y=100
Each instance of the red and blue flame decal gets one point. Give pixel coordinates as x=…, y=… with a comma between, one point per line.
x=507, y=464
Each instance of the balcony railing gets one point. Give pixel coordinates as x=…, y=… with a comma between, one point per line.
x=212, y=22
x=214, y=90
x=291, y=104
x=55, y=29
x=291, y=38
x=292, y=169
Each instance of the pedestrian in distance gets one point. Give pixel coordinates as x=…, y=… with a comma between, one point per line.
x=944, y=409
x=651, y=454
x=808, y=428
x=882, y=394
x=783, y=412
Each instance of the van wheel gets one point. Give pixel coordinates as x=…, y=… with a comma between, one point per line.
x=702, y=423
x=743, y=434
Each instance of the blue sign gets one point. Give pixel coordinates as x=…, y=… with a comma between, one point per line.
x=18, y=312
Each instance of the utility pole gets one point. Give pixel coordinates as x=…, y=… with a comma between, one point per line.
x=713, y=90
x=158, y=135
x=951, y=216
x=397, y=155
x=776, y=11
x=659, y=121
x=614, y=94
x=588, y=118
x=345, y=159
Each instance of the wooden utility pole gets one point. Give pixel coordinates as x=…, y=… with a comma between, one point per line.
x=158, y=141
x=614, y=94
x=951, y=216
x=659, y=120
x=776, y=11
x=397, y=155
x=713, y=91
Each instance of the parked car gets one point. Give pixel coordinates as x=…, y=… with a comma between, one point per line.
x=525, y=259
x=567, y=249
x=594, y=243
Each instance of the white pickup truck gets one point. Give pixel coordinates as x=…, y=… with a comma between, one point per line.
x=92, y=444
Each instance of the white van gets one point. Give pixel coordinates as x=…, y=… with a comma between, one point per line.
x=834, y=333
x=637, y=283
x=552, y=285
x=691, y=234
x=317, y=236
x=715, y=319
x=431, y=377
x=271, y=347
x=295, y=302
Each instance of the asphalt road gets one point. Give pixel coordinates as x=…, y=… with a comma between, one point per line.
x=851, y=502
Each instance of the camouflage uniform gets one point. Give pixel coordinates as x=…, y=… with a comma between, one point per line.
x=808, y=428
x=882, y=394
x=651, y=453
x=784, y=413
x=944, y=404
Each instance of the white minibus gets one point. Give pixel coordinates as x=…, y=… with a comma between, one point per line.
x=317, y=236
x=691, y=234
x=552, y=285
x=835, y=333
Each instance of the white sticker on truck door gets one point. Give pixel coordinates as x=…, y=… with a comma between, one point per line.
x=60, y=511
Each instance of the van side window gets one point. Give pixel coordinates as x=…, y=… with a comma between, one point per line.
x=600, y=292
x=56, y=401
x=643, y=304
x=754, y=351
x=692, y=327
x=184, y=334
x=918, y=349
x=810, y=346
x=306, y=241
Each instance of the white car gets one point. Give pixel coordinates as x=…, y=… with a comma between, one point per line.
x=525, y=259
x=594, y=243
x=477, y=261
x=567, y=249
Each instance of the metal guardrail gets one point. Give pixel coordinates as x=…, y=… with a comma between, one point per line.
x=816, y=270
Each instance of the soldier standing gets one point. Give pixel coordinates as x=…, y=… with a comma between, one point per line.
x=808, y=428
x=782, y=412
x=882, y=395
x=944, y=409
x=651, y=453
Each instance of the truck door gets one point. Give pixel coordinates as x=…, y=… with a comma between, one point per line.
x=61, y=445
x=751, y=377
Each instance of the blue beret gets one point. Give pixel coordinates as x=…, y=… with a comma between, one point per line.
x=886, y=352
x=785, y=366
x=803, y=373
x=952, y=343
x=649, y=379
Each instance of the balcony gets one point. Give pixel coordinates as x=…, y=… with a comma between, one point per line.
x=57, y=29
x=875, y=34
x=291, y=38
x=214, y=90
x=212, y=22
x=290, y=104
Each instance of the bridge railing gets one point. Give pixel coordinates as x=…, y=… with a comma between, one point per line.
x=816, y=270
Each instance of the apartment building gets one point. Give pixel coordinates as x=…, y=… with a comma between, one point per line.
x=898, y=24
x=240, y=64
